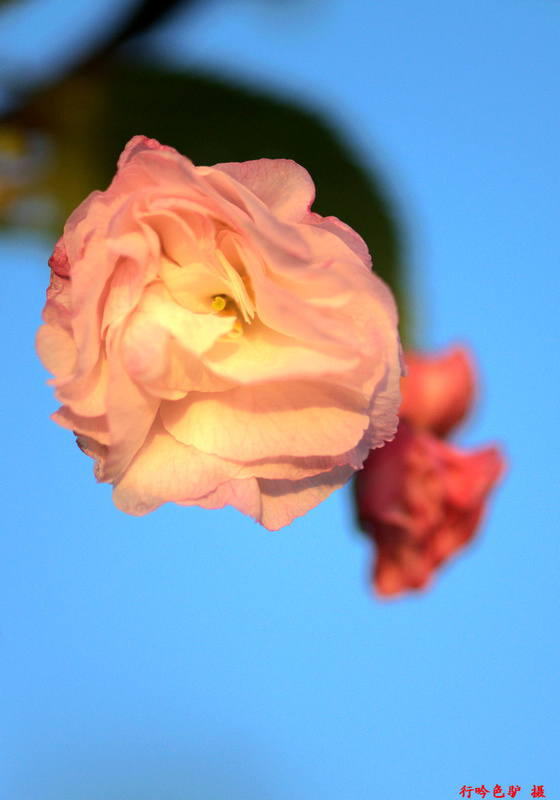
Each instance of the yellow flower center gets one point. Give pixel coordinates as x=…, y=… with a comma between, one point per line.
x=227, y=307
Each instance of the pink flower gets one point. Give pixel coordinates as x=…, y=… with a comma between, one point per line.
x=438, y=390
x=418, y=498
x=421, y=501
x=215, y=342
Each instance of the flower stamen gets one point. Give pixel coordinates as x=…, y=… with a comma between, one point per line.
x=227, y=307
x=237, y=331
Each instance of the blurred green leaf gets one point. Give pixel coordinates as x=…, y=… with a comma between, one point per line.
x=89, y=117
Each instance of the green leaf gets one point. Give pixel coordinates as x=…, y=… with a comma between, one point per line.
x=91, y=115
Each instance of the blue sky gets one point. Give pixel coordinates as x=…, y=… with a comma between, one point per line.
x=191, y=655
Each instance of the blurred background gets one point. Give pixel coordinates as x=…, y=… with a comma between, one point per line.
x=192, y=655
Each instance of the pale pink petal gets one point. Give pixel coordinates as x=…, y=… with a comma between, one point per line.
x=85, y=394
x=282, y=185
x=344, y=232
x=138, y=145
x=244, y=495
x=261, y=355
x=130, y=413
x=195, y=332
x=282, y=501
x=293, y=468
x=164, y=470
x=278, y=240
x=136, y=265
x=254, y=422
x=162, y=344
x=334, y=301
x=145, y=164
x=93, y=427
x=57, y=349
x=83, y=388
x=105, y=288
x=384, y=402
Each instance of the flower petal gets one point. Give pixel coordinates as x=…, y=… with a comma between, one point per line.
x=282, y=185
x=421, y=500
x=438, y=390
x=164, y=470
x=130, y=413
x=244, y=495
x=282, y=501
x=254, y=422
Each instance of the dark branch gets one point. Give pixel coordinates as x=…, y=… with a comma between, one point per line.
x=146, y=14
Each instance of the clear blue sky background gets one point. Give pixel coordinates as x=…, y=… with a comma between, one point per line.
x=191, y=655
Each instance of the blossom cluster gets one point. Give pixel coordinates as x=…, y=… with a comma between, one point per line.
x=419, y=498
x=213, y=341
